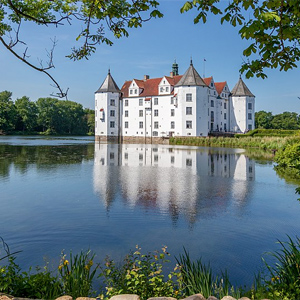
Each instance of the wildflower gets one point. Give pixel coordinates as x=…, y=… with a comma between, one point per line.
x=90, y=263
x=66, y=262
x=2, y=270
x=87, y=267
x=60, y=267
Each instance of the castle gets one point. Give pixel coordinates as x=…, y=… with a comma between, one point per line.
x=177, y=105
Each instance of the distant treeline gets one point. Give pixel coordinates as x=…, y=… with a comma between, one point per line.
x=285, y=120
x=46, y=116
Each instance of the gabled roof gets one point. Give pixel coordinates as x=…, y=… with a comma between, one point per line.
x=191, y=77
x=220, y=86
x=149, y=87
x=207, y=80
x=241, y=89
x=109, y=85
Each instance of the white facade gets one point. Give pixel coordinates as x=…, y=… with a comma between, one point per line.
x=175, y=105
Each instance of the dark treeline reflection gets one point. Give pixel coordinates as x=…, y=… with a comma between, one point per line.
x=42, y=157
x=194, y=182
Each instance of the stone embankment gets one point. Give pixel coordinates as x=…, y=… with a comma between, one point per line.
x=132, y=297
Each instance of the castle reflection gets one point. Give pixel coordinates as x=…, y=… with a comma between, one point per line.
x=195, y=182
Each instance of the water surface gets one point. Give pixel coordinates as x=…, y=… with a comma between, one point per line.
x=73, y=194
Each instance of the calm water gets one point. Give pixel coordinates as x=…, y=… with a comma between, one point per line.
x=73, y=194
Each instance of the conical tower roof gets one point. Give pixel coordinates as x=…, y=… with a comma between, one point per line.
x=191, y=77
x=109, y=85
x=241, y=89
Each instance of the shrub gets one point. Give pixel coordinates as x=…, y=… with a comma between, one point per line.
x=40, y=285
x=141, y=274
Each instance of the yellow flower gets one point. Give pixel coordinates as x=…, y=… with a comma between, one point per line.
x=60, y=267
x=90, y=263
x=66, y=262
x=87, y=267
x=2, y=270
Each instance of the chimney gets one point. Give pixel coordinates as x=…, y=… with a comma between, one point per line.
x=146, y=77
x=171, y=74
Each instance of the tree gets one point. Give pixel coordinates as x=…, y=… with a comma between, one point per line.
x=96, y=17
x=27, y=114
x=47, y=114
x=7, y=112
x=286, y=120
x=272, y=26
x=263, y=119
x=90, y=120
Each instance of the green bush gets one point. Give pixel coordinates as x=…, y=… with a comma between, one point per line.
x=141, y=274
x=42, y=284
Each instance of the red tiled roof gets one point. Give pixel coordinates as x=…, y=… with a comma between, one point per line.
x=149, y=87
x=207, y=80
x=220, y=86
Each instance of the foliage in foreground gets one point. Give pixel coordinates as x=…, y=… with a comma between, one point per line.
x=146, y=275
x=199, y=278
x=141, y=274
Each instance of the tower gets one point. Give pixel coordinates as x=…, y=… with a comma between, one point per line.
x=107, y=110
x=242, y=108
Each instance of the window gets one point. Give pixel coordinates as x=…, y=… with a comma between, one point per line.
x=172, y=159
x=112, y=102
x=250, y=126
x=130, y=92
x=135, y=91
x=161, y=89
x=112, y=113
x=126, y=113
x=167, y=89
x=140, y=102
x=126, y=124
x=140, y=113
x=111, y=155
x=155, y=133
x=188, y=110
x=156, y=125
x=225, y=116
x=249, y=105
x=172, y=125
x=212, y=84
x=212, y=103
x=249, y=116
x=126, y=155
x=141, y=125
x=212, y=116
x=140, y=156
x=126, y=102
x=172, y=100
x=188, y=124
x=112, y=124
x=155, y=112
x=188, y=97
x=155, y=101
x=188, y=162
x=156, y=158
x=172, y=112
x=225, y=105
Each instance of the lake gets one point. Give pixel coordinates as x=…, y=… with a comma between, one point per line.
x=60, y=193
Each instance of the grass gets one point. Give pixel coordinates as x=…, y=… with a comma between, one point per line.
x=264, y=143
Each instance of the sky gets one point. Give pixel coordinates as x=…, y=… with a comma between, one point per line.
x=150, y=50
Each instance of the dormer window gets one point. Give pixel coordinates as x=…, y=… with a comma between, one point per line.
x=133, y=84
x=161, y=89
x=135, y=91
x=130, y=92
x=212, y=84
x=164, y=82
x=167, y=89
